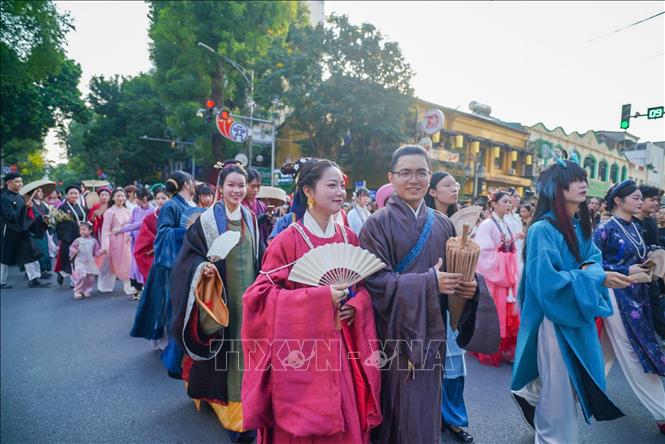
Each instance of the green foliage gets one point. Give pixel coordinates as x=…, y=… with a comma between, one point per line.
x=343, y=79
x=125, y=109
x=187, y=74
x=39, y=87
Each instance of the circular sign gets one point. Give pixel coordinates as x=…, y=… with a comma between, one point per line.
x=432, y=122
x=239, y=132
x=240, y=157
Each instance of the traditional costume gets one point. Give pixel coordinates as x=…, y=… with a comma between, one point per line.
x=154, y=308
x=265, y=227
x=82, y=252
x=498, y=264
x=213, y=366
x=40, y=235
x=144, y=247
x=628, y=335
x=306, y=381
x=68, y=231
x=357, y=218
x=117, y=245
x=558, y=357
x=132, y=228
x=17, y=222
x=411, y=317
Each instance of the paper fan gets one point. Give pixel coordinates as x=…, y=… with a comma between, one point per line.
x=189, y=216
x=468, y=215
x=339, y=265
x=222, y=245
x=91, y=198
x=658, y=258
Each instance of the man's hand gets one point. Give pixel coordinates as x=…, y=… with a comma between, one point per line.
x=467, y=290
x=448, y=282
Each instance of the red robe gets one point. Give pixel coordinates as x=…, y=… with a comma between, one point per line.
x=144, y=250
x=97, y=220
x=283, y=320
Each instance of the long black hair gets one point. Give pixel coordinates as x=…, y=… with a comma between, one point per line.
x=550, y=186
x=429, y=200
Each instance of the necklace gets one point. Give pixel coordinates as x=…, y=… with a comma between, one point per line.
x=637, y=243
x=75, y=213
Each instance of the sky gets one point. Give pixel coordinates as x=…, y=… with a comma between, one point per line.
x=559, y=63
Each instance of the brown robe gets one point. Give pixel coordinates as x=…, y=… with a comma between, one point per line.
x=409, y=319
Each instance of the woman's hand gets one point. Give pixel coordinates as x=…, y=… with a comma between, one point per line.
x=338, y=295
x=208, y=270
x=116, y=230
x=519, y=236
x=467, y=290
x=616, y=280
x=637, y=268
x=448, y=282
x=347, y=312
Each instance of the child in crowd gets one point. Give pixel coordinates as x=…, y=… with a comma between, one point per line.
x=82, y=253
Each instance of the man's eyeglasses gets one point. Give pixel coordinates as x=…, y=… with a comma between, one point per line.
x=409, y=174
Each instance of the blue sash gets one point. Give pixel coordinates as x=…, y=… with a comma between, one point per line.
x=415, y=251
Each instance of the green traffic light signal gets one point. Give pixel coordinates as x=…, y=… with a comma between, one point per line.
x=625, y=116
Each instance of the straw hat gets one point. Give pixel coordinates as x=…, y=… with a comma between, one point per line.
x=47, y=187
x=95, y=183
x=275, y=193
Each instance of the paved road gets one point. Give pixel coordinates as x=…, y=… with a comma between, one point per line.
x=71, y=373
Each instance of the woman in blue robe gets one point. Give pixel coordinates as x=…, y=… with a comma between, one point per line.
x=562, y=291
x=154, y=309
x=629, y=335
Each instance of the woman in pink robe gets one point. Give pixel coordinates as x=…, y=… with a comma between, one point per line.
x=305, y=380
x=115, y=243
x=498, y=264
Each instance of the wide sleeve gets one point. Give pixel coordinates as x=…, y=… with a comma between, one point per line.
x=106, y=230
x=602, y=237
x=74, y=248
x=16, y=219
x=135, y=222
x=273, y=316
x=402, y=301
x=569, y=297
x=169, y=237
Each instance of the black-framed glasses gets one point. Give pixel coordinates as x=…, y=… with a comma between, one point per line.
x=410, y=174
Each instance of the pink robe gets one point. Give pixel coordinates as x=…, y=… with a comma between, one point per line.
x=117, y=246
x=340, y=404
x=500, y=270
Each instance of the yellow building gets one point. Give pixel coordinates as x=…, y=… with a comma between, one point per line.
x=482, y=152
x=604, y=164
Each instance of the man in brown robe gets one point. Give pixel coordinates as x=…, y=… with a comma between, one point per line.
x=409, y=304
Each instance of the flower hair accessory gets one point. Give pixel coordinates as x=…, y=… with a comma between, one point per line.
x=492, y=195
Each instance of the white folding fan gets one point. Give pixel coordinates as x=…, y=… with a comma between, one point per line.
x=339, y=265
x=468, y=215
x=222, y=245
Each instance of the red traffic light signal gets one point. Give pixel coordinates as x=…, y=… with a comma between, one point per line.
x=225, y=115
x=210, y=104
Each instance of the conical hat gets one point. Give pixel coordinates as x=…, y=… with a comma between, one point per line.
x=47, y=187
x=95, y=183
x=267, y=192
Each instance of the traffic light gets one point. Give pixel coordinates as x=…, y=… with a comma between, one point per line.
x=210, y=110
x=625, y=116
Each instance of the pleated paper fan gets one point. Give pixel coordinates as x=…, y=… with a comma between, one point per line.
x=189, y=216
x=339, y=265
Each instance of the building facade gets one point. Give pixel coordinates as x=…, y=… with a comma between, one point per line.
x=651, y=157
x=606, y=165
x=482, y=152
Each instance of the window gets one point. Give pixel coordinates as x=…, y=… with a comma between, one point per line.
x=624, y=172
x=590, y=166
x=575, y=157
x=602, y=171
x=614, y=173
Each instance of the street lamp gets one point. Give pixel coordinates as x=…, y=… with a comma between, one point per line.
x=250, y=100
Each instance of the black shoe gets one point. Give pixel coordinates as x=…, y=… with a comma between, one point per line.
x=461, y=435
x=46, y=275
x=37, y=283
x=527, y=410
x=60, y=279
x=5, y=286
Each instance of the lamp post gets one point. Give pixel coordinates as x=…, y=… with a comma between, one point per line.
x=250, y=81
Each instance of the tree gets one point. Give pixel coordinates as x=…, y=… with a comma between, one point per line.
x=348, y=88
x=124, y=110
x=187, y=75
x=39, y=88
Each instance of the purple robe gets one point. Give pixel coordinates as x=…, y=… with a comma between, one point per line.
x=410, y=321
x=133, y=227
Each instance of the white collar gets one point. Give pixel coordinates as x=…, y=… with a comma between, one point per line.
x=313, y=226
x=417, y=210
x=234, y=216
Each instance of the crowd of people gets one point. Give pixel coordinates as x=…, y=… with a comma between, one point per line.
x=560, y=279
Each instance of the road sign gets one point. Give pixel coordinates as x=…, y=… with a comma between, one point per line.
x=655, y=113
